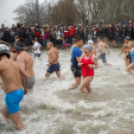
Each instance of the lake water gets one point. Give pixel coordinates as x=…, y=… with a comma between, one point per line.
x=52, y=109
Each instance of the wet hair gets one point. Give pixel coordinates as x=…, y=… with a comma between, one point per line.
x=33, y=38
x=50, y=43
x=16, y=36
x=99, y=38
x=4, y=54
x=78, y=39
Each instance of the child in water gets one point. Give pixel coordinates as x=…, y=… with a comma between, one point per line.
x=88, y=63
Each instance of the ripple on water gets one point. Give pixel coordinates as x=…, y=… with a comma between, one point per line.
x=52, y=109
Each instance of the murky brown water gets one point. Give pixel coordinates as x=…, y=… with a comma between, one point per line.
x=52, y=109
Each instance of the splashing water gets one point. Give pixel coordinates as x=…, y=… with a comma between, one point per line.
x=52, y=109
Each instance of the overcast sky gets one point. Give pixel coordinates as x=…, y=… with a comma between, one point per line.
x=6, y=10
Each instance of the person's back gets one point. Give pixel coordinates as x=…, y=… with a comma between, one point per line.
x=26, y=57
x=10, y=75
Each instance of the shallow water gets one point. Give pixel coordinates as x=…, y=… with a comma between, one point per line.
x=52, y=109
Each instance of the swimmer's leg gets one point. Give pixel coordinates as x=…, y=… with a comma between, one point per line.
x=16, y=118
x=59, y=75
x=107, y=64
x=76, y=84
x=130, y=67
x=89, y=86
x=47, y=75
x=84, y=84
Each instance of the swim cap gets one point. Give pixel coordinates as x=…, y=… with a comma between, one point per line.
x=4, y=49
x=90, y=42
x=128, y=38
x=88, y=47
x=20, y=45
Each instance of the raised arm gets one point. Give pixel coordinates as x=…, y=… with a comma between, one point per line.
x=123, y=50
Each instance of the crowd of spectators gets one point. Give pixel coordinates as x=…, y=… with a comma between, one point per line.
x=58, y=33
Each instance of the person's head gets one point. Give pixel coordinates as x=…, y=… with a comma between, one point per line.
x=16, y=37
x=127, y=40
x=87, y=49
x=34, y=39
x=4, y=51
x=79, y=42
x=20, y=45
x=90, y=42
x=50, y=45
x=99, y=39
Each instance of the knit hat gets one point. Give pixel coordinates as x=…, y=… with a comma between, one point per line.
x=20, y=45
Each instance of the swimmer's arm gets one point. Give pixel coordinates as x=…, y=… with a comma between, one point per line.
x=123, y=50
x=22, y=73
x=78, y=59
x=79, y=63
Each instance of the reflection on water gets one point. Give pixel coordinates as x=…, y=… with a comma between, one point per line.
x=52, y=109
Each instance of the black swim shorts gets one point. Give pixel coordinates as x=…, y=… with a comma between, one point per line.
x=76, y=73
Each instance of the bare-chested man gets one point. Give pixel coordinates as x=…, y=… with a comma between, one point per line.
x=126, y=48
x=10, y=74
x=53, y=65
x=25, y=62
x=101, y=49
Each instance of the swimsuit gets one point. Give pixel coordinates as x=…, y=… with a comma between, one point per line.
x=53, y=68
x=131, y=56
x=31, y=82
x=76, y=72
x=86, y=71
x=37, y=55
x=102, y=57
x=13, y=99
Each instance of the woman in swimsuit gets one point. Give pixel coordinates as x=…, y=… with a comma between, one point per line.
x=88, y=63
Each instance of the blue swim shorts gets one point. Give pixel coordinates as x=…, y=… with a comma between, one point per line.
x=13, y=99
x=53, y=68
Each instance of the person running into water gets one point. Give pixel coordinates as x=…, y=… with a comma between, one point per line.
x=36, y=48
x=25, y=62
x=53, y=65
x=126, y=48
x=130, y=66
x=10, y=73
x=91, y=43
x=75, y=59
x=102, y=54
x=88, y=63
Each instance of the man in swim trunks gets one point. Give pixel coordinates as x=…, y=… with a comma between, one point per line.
x=126, y=48
x=11, y=84
x=102, y=54
x=25, y=62
x=76, y=54
x=53, y=65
